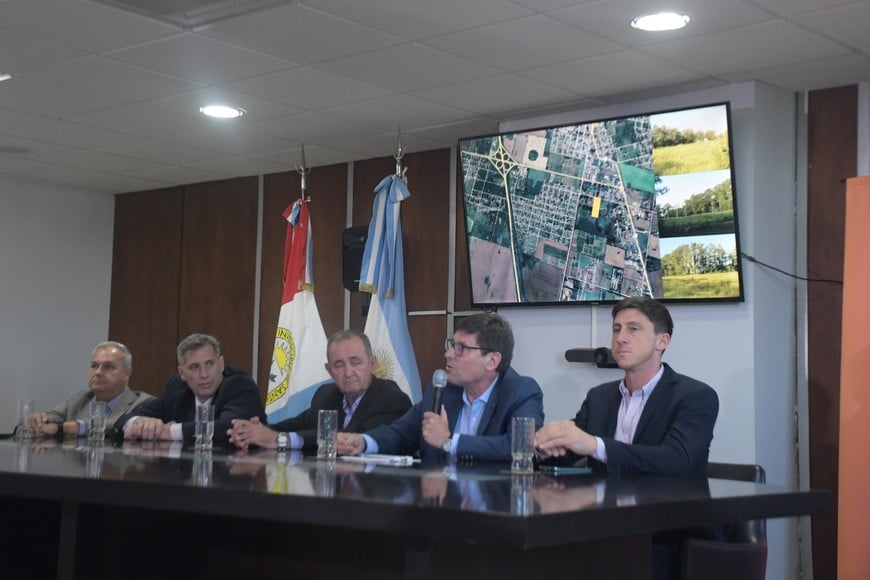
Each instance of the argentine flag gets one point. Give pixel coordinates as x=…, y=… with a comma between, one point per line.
x=383, y=275
x=300, y=342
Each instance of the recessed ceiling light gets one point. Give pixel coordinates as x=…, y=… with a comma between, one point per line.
x=660, y=22
x=4, y=77
x=222, y=111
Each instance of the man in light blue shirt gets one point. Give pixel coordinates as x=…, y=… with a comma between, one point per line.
x=482, y=396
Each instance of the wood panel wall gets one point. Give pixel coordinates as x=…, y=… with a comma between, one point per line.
x=195, y=254
x=218, y=265
x=146, y=275
x=832, y=157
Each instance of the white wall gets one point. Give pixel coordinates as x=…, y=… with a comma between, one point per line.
x=746, y=351
x=55, y=279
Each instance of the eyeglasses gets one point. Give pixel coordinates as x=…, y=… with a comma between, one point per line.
x=460, y=348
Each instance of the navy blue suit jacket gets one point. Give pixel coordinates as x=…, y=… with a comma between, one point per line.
x=673, y=434
x=383, y=402
x=237, y=397
x=512, y=396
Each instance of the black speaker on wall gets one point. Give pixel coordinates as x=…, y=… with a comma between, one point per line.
x=353, y=244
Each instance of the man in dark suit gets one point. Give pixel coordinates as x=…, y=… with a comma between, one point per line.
x=202, y=378
x=482, y=395
x=362, y=400
x=653, y=421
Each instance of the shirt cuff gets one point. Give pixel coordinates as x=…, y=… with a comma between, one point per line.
x=175, y=432
x=296, y=440
x=371, y=444
x=600, y=450
x=83, y=427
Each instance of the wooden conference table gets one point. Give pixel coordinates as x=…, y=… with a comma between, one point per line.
x=144, y=510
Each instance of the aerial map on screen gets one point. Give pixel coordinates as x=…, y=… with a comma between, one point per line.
x=598, y=211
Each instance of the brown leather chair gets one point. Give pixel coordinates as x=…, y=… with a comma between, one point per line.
x=743, y=552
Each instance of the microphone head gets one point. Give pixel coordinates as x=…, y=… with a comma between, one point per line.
x=439, y=378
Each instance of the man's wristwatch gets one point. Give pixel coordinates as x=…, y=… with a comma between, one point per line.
x=447, y=446
x=283, y=441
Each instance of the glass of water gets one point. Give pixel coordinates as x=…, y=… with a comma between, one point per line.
x=204, y=426
x=99, y=412
x=327, y=432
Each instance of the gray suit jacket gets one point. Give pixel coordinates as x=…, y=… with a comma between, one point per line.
x=75, y=408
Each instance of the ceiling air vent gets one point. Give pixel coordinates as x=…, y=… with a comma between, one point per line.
x=190, y=14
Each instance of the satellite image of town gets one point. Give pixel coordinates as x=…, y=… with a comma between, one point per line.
x=563, y=214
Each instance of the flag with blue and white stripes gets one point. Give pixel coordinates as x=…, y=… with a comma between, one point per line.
x=383, y=275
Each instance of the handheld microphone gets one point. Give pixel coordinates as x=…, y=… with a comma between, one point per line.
x=439, y=381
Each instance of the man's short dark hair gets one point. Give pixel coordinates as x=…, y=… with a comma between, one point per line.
x=494, y=334
x=651, y=308
x=196, y=342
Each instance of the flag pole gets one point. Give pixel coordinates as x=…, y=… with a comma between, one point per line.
x=303, y=170
x=400, y=171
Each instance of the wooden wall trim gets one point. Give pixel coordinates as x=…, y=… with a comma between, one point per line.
x=832, y=157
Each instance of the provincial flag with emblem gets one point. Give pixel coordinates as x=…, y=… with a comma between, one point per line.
x=383, y=275
x=300, y=342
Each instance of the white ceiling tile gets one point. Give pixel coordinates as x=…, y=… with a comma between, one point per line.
x=498, y=95
x=99, y=91
x=18, y=148
x=550, y=5
x=112, y=184
x=100, y=161
x=792, y=7
x=308, y=88
x=200, y=59
x=407, y=67
x=21, y=53
x=297, y=33
x=384, y=145
x=847, y=24
x=80, y=24
x=389, y=112
x=319, y=129
x=177, y=175
x=232, y=140
x=51, y=171
x=233, y=166
x=417, y=19
x=763, y=45
x=166, y=153
x=822, y=73
x=451, y=134
x=315, y=156
x=532, y=41
x=143, y=121
x=62, y=176
x=111, y=79
x=21, y=94
x=61, y=132
x=612, y=74
x=612, y=19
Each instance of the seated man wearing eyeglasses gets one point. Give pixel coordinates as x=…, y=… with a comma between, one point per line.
x=482, y=395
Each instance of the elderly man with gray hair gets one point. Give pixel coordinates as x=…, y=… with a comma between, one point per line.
x=108, y=379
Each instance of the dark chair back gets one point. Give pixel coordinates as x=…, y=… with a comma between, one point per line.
x=743, y=552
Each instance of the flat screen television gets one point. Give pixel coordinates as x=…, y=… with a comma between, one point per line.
x=593, y=212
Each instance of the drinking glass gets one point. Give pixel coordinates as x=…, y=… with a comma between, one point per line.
x=204, y=429
x=327, y=431
x=23, y=429
x=522, y=444
x=99, y=412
